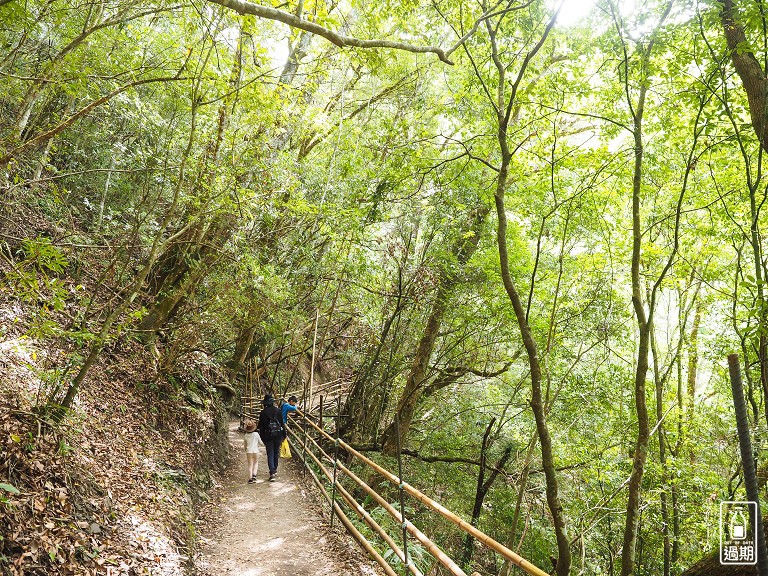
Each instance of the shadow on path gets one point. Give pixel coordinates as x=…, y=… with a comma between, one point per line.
x=271, y=528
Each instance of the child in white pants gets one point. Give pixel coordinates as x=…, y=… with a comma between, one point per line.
x=251, y=443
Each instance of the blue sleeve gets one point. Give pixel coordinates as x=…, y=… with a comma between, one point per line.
x=287, y=408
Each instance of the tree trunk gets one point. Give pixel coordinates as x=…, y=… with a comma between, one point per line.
x=414, y=384
x=665, y=520
x=483, y=486
x=242, y=346
x=755, y=84
x=749, y=70
x=406, y=406
x=537, y=404
x=693, y=362
x=59, y=409
x=641, y=369
x=512, y=543
x=362, y=406
x=193, y=269
x=644, y=320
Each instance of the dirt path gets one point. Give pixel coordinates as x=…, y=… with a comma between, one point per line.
x=272, y=528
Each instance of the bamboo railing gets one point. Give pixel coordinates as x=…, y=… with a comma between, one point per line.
x=250, y=400
x=330, y=389
x=306, y=449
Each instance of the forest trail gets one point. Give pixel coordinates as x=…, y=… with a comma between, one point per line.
x=271, y=528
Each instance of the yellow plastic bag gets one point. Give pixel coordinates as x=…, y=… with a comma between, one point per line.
x=285, y=450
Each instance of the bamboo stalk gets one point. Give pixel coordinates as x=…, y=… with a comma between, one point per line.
x=337, y=511
x=400, y=489
x=431, y=547
x=363, y=542
x=442, y=510
x=335, y=462
x=312, y=472
x=330, y=385
x=363, y=513
x=312, y=366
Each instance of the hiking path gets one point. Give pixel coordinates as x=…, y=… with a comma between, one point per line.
x=272, y=528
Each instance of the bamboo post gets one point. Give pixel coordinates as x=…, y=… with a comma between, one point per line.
x=312, y=366
x=284, y=393
x=251, y=392
x=350, y=527
x=430, y=546
x=305, y=429
x=362, y=512
x=486, y=540
x=320, y=423
x=303, y=423
x=243, y=398
x=316, y=480
x=275, y=381
x=362, y=540
x=335, y=457
x=400, y=490
x=242, y=408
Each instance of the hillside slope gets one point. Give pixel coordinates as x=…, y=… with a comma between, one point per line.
x=116, y=483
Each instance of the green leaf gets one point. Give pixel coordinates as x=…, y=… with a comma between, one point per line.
x=9, y=488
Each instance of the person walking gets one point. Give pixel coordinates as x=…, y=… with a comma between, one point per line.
x=251, y=444
x=272, y=432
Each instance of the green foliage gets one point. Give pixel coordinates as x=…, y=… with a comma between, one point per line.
x=264, y=202
x=8, y=488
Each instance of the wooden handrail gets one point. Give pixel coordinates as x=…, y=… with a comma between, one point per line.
x=325, y=387
x=431, y=546
x=357, y=507
x=344, y=520
x=436, y=506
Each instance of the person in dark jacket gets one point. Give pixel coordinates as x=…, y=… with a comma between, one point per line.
x=272, y=433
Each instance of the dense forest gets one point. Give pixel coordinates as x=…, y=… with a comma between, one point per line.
x=531, y=230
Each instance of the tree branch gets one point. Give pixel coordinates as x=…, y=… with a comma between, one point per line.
x=45, y=136
x=490, y=13
x=245, y=7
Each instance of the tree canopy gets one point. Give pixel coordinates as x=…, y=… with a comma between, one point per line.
x=529, y=239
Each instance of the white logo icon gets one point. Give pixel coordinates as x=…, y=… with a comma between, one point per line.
x=738, y=529
x=738, y=523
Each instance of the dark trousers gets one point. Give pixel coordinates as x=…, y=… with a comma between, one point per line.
x=273, y=453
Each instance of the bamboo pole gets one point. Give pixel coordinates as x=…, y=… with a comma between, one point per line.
x=363, y=513
x=325, y=387
x=317, y=480
x=335, y=461
x=312, y=366
x=243, y=396
x=400, y=487
x=443, y=511
x=337, y=511
x=287, y=382
x=321, y=413
x=363, y=542
x=430, y=546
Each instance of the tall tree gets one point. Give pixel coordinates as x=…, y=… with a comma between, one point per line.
x=504, y=103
